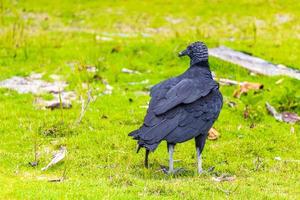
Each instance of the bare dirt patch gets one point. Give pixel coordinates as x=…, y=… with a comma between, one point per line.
x=35, y=85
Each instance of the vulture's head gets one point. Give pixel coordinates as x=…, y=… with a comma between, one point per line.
x=197, y=52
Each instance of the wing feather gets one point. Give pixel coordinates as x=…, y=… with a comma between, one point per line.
x=186, y=91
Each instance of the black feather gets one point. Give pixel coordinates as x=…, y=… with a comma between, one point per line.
x=181, y=108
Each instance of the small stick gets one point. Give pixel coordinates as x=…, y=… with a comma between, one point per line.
x=84, y=106
x=227, y=192
x=224, y=81
x=61, y=105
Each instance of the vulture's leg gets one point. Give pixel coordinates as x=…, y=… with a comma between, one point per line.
x=171, y=162
x=146, y=158
x=200, y=142
x=199, y=160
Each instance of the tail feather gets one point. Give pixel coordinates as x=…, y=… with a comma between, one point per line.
x=134, y=133
x=138, y=148
x=158, y=132
x=150, y=137
x=150, y=147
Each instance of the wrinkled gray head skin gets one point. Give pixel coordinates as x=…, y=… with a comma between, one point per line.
x=197, y=52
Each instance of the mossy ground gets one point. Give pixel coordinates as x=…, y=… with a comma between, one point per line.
x=46, y=36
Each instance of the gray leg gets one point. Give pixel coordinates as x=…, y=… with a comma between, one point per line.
x=200, y=142
x=171, y=151
x=199, y=160
x=171, y=162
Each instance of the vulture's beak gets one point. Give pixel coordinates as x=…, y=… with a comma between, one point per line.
x=183, y=53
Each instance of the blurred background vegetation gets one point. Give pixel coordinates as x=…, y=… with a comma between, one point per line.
x=67, y=37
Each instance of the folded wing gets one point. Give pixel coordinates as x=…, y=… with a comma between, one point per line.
x=186, y=91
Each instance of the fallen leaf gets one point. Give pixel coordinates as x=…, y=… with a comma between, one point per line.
x=213, y=134
x=224, y=177
x=245, y=87
x=60, y=155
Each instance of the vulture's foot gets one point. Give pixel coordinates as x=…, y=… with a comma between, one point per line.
x=166, y=170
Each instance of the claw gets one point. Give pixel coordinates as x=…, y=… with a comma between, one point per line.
x=169, y=172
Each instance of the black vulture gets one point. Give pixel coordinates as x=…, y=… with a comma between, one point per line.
x=182, y=108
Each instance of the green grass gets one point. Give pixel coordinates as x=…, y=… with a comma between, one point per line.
x=46, y=36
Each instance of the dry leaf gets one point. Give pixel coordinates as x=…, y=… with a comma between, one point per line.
x=245, y=87
x=213, y=134
x=56, y=158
